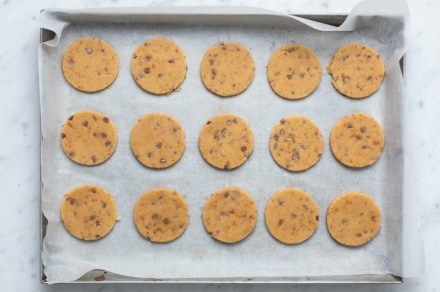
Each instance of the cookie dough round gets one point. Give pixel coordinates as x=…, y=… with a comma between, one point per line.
x=157, y=140
x=88, y=212
x=90, y=64
x=353, y=219
x=291, y=216
x=357, y=70
x=357, y=140
x=296, y=143
x=226, y=141
x=227, y=69
x=159, y=66
x=161, y=215
x=89, y=137
x=294, y=71
x=229, y=215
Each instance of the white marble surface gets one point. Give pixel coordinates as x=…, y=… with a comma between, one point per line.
x=19, y=154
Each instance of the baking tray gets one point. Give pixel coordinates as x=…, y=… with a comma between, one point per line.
x=228, y=23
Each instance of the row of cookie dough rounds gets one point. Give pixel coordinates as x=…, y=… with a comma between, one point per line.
x=159, y=66
x=226, y=141
x=161, y=215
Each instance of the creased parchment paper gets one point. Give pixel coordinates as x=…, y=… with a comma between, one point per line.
x=196, y=256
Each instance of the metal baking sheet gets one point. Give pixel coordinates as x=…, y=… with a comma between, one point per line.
x=121, y=256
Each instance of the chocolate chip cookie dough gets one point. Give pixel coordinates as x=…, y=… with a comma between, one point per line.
x=294, y=71
x=357, y=140
x=88, y=212
x=90, y=64
x=357, y=70
x=227, y=69
x=296, y=143
x=159, y=66
x=157, y=140
x=353, y=219
x=226, y=141
x=229, y=215
x=291, y=215
x=89, y=137
x=161, y=215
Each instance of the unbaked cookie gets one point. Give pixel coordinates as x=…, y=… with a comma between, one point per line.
x=229, y=215
x=227, y=69
x=294, y=71
x=159, y=66
x=90, y=64
x=161, y=215
x=88, y=212
x=357, y=140
x=291, y=216
x=353, y=219
x=89, y=137
x=357, y=70
x=157, y=140
x=226, y=141
x=296, y=143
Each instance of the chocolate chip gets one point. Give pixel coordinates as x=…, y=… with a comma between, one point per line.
x=103, y=135
x=363, y=129
x=280, y=222
x=295, y=155
x=155, y=216
x=171, y=61
x=93, y=158
x=89, y=50
x=147, y=70
x=166, y=221
x=92, y=217
x=85, y=123
x=163, y=161
x=63, y=135
x=105, y=120
x=159, y=145
x=243, y=148
x=289, y=76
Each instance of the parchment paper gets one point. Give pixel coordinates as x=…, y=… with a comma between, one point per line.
x=195, y=255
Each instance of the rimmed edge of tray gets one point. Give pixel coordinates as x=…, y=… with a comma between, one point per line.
x=102, y=276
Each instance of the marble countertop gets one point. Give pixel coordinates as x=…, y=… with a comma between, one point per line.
x=19, y=154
